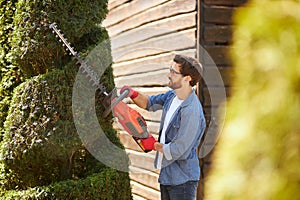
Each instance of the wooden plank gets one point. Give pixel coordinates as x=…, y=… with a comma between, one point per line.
x=226, y=2
x=219, y=54
x=144, y=177
x=168, y=43
x=144, y=191
x=151, y=63
x=153, y=127
x=215, y=96
x=166, y=10
x=137, y=197
x=217, y=34
x=164, y=26
x=129, y=142
x=147, y=79
x=218, y=14
x=112, y=4
x=142, y=160
x=219, y=77
x=129, y=9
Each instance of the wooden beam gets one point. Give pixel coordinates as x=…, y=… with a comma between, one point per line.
x=217, y=34
x=156, y=78
x=154, y=29
x=218, y=14
x=112, y=4
x=142, y=160
x=219, y=55
x=144, y=177
x=151, y=63
x=171, y=8
x=218, y=77
x=225, y=2
x=168, y=43
x=129, y=9
x=144, y=191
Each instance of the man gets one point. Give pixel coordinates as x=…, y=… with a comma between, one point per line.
x=181, y=128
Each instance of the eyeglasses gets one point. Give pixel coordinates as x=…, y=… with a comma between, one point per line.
x=173, y=71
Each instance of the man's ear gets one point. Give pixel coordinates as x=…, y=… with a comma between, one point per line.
x=187, y=78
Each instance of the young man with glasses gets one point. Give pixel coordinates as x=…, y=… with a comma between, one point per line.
x=181, y=128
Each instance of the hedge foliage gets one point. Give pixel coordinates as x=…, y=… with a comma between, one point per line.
x=42, y=156
x=258, y=156
x=40, y=142
x=108, y=184
x=34, y=47
x=10, y=75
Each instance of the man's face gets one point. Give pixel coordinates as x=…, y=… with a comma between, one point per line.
x=175, y=77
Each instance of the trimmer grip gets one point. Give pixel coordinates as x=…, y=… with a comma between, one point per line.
x=146, y=144
x=115, y=101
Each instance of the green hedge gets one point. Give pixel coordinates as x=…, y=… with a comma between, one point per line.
x=41, y=144
x=258, y=155
x=41, y=152
x=34, y=47
x=108, y=184
x=10, y=75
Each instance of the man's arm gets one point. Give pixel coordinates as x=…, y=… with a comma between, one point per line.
x=141, y=100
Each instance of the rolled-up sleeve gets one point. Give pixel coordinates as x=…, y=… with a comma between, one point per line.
x=157, y=102
x=167, y=151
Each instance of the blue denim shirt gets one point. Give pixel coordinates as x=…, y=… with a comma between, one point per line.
x=180, y=161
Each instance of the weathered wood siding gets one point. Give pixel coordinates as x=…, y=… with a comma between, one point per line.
x=215, y=36
x=145, y=35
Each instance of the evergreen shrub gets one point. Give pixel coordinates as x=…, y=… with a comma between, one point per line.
x=108, y=184
x=34, y=48
x=10, y=75
x=42, y=156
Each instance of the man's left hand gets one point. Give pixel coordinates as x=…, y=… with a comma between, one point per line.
x=158, y=147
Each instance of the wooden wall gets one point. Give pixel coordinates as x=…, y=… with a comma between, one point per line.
x=145, y=34
x=215, y=37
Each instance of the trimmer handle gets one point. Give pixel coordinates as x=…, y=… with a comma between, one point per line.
x=115, y=102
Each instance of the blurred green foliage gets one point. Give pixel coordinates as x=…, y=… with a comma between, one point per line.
x=258, y=155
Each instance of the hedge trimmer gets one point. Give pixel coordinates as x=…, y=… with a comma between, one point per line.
x=132, y=121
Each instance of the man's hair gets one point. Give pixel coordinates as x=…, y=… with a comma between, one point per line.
x=189, y=67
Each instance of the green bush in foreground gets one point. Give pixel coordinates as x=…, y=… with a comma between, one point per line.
x=42, y=153
x=258, y=155
x=108, y=184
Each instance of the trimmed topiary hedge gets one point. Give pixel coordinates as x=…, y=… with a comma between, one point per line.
x=10, y=75
x=34, y=47
x=42, y=155
x=108, y=184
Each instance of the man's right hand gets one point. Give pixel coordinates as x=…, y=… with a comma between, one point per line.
x=132, y=93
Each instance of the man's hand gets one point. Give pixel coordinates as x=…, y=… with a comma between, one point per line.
x=158, y=147
x=132, y=93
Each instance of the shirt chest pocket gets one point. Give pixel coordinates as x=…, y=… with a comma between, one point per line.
x=173, y=130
